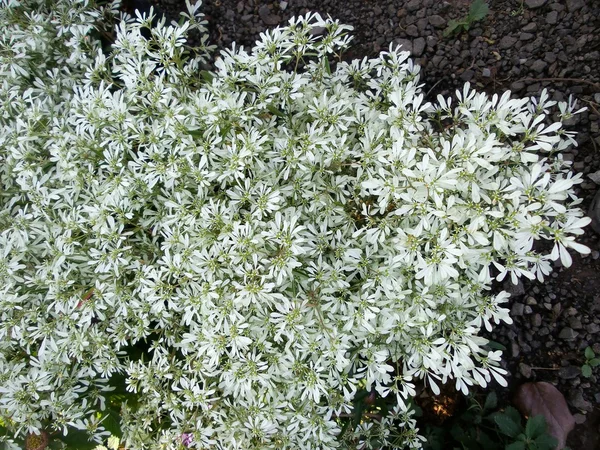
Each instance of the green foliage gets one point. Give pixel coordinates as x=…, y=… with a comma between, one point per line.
x=481, y=427
x=591, y=361
x=478, y=10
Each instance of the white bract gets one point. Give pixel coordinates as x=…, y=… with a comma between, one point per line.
x=243, y=250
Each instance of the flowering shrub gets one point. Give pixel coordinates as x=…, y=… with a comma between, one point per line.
x=224, y=259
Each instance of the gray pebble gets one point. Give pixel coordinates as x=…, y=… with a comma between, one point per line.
x=552, y=18
x=569, y=372
x=568, y=334
x=539, y=65
x=574, y=5
x=437, y=21
x=525, y=370
x=536, y=320
x=579, y=402
x=418, y=46
x=532, y=4
x=517, y=309
x=507, y=42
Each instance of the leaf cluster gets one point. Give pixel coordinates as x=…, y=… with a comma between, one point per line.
x=591, y=361
x=485, y=427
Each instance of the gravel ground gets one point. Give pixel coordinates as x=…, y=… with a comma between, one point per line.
x=523, y=46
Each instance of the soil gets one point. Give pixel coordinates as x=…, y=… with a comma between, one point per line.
x=522, y=46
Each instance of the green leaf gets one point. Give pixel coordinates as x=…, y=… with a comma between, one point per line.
x=275, y=111
x=519, y=445
x=78, y=440
x=495, y=345
x=589, y=353
x=198, y=133
x=478, y=11
x=507, y=425
x=491, y=401
x=111, y=421
x=513, y=414
x=586, y=371
x=594, y=362
x=207, y=76
x=535, y=426
x=451, y=28
x=546, y=442
x=327, y=67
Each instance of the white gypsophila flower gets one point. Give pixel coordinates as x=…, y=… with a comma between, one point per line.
x=229, y=259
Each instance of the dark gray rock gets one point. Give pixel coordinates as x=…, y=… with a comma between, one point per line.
x=413, y=5
x=437, y=21
x=412, y=30
x=536, y=320
x=594, y=212
x=525, y=370
x=569, y=372
x=530, y=27
x=507, y=42
x=265, y=14
x=575, y=323
x=486, y=73
x=574, y=5
x=533, y=4
x=418, y=46
x=515, y=290
x=406, y=44
x=517, y=309
x=525, y=36
x=539, y=65
x=568, y=334
x=467, y=75
x=576, y=399
x=552, y=18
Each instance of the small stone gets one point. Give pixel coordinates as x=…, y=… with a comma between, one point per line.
x=575, y=323
x=525, y=370
x=536, y=320
x=514, y=348
x=579, y=418
x=528, y=310
x=437, y=21
x=406, y=44
x=530, y=27
x=592, y=328
x=486, y=73
x=525, y=36
x=517, y=86
x=569, y=372
x=418, y=46
x=265, y=14
x=568, y=334
x=507, y=42
x=283, y=5
x=533, y=4
x=579, y=402
x=597, y=397
x=552, y=18
x=412, y=31
x=595, y=177
x=539, y=65
x=515, y=290
x=413, y=5
x=467, y=75
x=530, y=300
x=574, y=5
x=517, y=309
x=594, y=212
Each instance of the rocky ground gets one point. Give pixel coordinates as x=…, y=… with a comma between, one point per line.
x=523, y=46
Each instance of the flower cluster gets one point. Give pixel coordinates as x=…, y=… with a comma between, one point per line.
x=229, y=256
